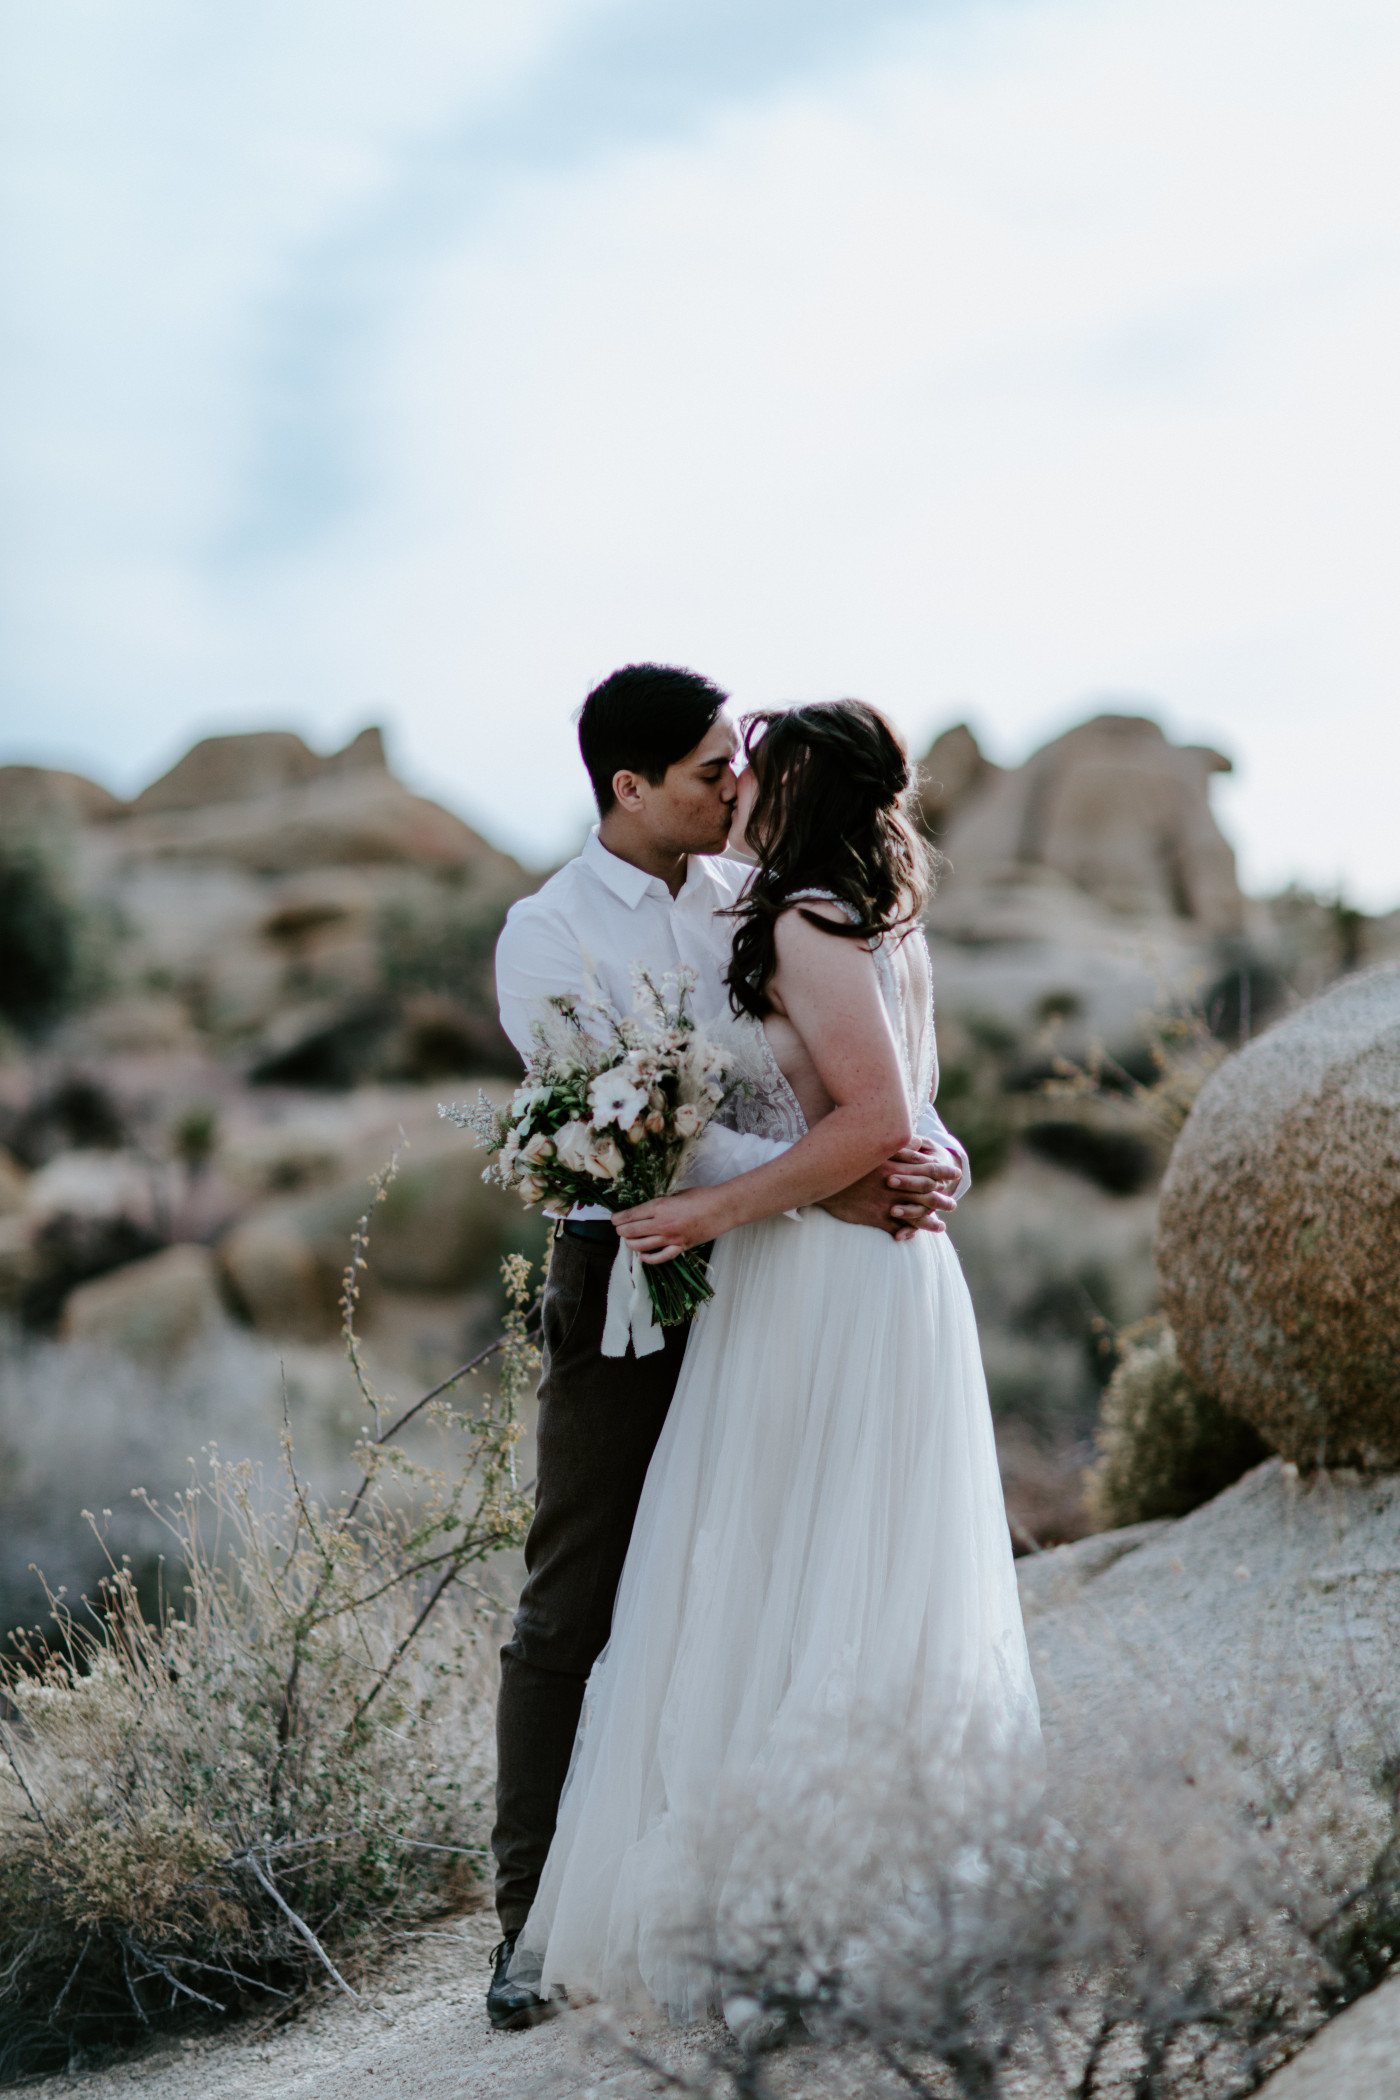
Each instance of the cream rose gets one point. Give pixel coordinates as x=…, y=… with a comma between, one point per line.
x=687, y=1120
x=539, y=1149
x=605, y=1159
x=572, y=1144
x=529, y=1189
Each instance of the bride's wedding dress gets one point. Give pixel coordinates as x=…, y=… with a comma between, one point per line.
x=821, y=1540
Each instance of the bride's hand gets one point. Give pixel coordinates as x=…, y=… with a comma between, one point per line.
x=665, y=1227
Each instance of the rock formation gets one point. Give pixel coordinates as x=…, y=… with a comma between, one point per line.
x=259, y=762
x=1279, y=1236
x=1111, y=808
x=953, y=771
x=256, y=881
x=41, y=796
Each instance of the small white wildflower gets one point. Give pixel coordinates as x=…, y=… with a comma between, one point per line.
x=615, y=1097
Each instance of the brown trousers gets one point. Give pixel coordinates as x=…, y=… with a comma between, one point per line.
x=599, y=1420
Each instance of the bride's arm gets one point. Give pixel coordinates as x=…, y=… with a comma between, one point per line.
x=828, y=989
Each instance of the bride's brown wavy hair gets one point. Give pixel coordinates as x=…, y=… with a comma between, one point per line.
x=831, y=813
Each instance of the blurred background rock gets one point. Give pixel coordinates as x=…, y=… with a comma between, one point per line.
x=225, y=1002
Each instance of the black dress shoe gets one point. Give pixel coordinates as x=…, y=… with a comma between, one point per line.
x=511, y=2005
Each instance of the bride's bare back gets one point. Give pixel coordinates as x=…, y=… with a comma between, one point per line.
x=830, y=1029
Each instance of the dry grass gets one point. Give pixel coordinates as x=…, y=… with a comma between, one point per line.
x=1168, y=1915
x=242, y=1795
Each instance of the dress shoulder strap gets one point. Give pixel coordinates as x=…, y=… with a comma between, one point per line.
x=822, y=897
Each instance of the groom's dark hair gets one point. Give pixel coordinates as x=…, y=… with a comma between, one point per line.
x=641, y=720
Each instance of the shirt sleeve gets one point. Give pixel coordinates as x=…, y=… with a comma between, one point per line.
x=932, y=1125
x=536, y=957
x=723, y=1154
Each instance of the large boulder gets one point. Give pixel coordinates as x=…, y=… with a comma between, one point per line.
x=1279, y=1237
x=154, y=1310
x=440, y=1228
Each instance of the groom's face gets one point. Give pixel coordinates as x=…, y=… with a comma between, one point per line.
x=691, y=808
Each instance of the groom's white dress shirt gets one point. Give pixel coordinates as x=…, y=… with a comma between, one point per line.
x=598, y=916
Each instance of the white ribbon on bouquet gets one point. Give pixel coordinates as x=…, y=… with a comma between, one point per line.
x=630, y=1315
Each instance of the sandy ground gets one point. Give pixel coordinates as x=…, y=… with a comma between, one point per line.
x=1277, y=1600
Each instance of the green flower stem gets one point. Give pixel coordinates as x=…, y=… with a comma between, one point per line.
x=679, y=1288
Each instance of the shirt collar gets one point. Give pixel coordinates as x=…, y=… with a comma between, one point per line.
x=631, y=884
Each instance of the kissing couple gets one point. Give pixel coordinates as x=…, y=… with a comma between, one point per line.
x=788, y=1517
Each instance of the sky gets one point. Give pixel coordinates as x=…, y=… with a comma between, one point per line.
x=994, y=360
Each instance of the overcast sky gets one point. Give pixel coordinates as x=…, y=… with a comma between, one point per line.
x=990, y=359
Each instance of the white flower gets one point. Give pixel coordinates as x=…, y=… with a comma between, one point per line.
x=615, y=1097
x=572, y=1146
x=525, y=1098
x=687, y=1120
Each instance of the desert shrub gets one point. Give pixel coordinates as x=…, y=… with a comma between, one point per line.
x=76, y=1113
x=446, y=944
x=1164, y=1446
x=55, y=951
x=223, y=1802
x=40, y=958
x=973, y=1089
x=1158, y=1079
x=1117, y=1160
x=1156, y=1919
x=194, y=1136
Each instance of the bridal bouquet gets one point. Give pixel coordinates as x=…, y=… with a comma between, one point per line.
x=610, y=1113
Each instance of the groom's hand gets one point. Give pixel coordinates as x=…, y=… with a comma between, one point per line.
x=905, y=1195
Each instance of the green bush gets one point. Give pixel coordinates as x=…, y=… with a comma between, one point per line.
x=447, y=946
x=40, y=940
x=977, y=1112
x=1164, y=1446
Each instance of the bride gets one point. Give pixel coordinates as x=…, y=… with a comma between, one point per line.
x=821, y=1538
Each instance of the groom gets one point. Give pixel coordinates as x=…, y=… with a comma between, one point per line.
x=659, y=753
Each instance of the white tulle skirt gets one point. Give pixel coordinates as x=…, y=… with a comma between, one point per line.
x=821, y=1543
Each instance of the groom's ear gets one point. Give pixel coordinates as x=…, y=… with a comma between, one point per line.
x=627, y=789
